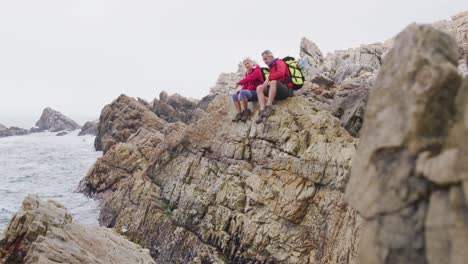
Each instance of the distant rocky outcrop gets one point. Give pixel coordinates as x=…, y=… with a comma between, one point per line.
x=12, y=131
x=410, y=172
x=215, y=190
x=89, y=128
x=54, y=121
x=44, y=232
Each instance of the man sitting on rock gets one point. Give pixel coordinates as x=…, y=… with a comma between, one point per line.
x=278, y=86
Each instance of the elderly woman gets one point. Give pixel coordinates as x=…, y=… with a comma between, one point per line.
x=247, y=93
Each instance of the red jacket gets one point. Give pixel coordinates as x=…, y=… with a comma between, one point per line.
x=252, y=79
x=279, y=72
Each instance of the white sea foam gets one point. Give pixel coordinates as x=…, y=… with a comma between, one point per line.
x=49, y=166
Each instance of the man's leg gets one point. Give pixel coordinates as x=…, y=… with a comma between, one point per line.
x=261, y=97
x=272, y=92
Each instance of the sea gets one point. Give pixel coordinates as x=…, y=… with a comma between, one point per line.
x=50, y=166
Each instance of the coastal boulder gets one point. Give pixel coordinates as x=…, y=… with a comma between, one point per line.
x=89, y=128
x=44, y=232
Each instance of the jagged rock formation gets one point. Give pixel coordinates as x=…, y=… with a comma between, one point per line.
x=457, y=27
x=349, y=108
x=12, y=131
x=176, y=108
x=44, y=232
x=226, y=83
x=123, y=117
x=54, y=121
x=89, y=128
x=409, y=175
x=245, y=193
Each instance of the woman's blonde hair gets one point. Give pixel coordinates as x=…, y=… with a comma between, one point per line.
x=249, y=60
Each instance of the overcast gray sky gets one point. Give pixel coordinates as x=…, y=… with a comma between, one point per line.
x=77, y=56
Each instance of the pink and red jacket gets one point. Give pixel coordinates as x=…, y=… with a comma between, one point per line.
x=252, y=79
x=279, y=72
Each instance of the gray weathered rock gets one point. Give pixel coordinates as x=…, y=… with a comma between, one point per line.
x=311, y=55
x=44, y=232
x=89, y=128
x=63, y=133
x=410, y=170
x=12, y=131
x=120, y=119
x=457, y=27
x=176, y=108
x=55, y=121
x=350, y=109
x=226, y=83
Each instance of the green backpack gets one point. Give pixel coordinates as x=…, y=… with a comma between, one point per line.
x=265, y=73
x=297, y=78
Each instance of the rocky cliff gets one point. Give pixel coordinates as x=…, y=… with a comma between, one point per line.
x=217, y=191
x=54, y=121
x=44, y=232
x=409, y=175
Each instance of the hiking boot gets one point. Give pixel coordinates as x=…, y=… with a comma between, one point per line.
x=237, y=117
x=245, y=115
x=267, y=112
x=259, y=120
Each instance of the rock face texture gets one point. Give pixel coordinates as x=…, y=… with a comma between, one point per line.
x=226, y=83
x=54, y=121
x=409, y=177
x=457, y=27
x=123, y=117
x=89, y=128
x=176, y=108
x=216, y=191
x=12, y=131
x=44, y=232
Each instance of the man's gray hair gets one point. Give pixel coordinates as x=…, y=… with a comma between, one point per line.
x=268, y=53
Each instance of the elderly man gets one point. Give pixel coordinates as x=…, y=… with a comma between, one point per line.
x=278, y=86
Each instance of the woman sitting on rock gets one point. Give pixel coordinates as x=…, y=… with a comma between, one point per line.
x=247, y=93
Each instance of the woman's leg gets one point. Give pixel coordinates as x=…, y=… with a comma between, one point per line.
x=235, y=98
x=244, y=97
